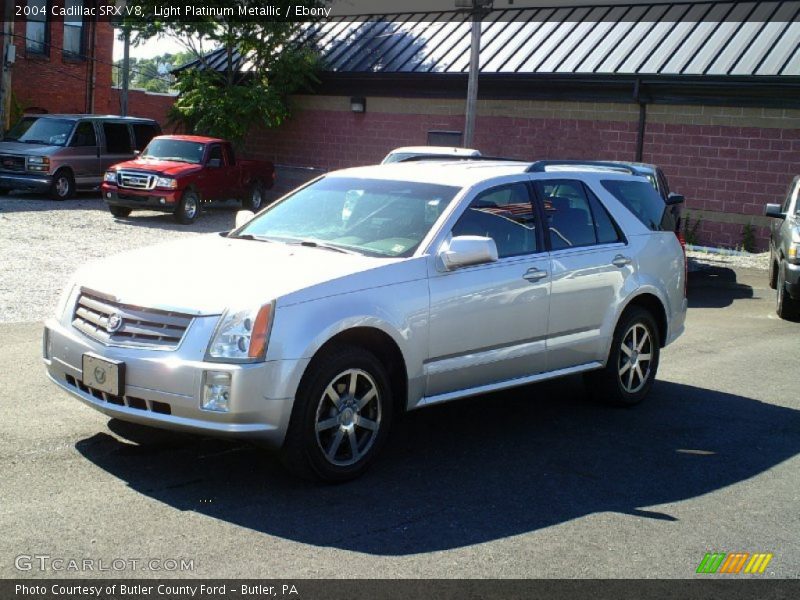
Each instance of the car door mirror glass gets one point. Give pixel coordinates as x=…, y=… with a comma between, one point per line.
x=466, y=250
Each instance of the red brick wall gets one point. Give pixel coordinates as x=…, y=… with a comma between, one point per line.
x=57, y=84
x=144, y=104
x=718, y=168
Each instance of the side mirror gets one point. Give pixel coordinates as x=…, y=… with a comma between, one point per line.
x=673, y=199
x=243, y=217
x=215, y=163
x=774, y=210
x=466, y=250
x=137, y=152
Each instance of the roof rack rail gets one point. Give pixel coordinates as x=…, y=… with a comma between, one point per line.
x=456, y=157
x=540, y=166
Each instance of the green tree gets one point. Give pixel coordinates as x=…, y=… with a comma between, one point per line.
x=235, y=95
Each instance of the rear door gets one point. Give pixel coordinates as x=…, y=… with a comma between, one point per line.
x=488, y=323
x=589, y=263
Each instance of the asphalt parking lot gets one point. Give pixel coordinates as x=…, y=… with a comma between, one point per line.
x=534, y=482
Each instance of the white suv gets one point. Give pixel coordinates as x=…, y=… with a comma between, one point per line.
x=373, y=291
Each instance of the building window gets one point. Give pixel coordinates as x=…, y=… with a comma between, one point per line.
x=73, y=29
x=36, y=31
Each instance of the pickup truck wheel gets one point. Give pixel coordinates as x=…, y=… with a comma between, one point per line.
x=341, y=416
x=787, y=307
x=255, y=198
x=773, y=271
x=63, y=186
x=632, y=361
x=188, y=208
x=119, y=211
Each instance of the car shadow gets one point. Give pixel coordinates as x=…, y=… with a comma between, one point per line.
x=716, y=287
x=30, y=202
x=472, y=471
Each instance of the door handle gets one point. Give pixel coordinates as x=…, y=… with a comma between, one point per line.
x=621, y=261
x=534, y=274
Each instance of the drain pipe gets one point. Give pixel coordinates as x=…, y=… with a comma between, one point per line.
x=642, y=119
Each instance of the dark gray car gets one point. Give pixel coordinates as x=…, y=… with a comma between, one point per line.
x=59, y=154
x=784, y=252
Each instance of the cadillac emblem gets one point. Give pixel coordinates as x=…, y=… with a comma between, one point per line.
x=114, y=323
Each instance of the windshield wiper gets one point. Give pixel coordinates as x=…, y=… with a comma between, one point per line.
x=323, y=245
x=35, y=142
x=249, y=236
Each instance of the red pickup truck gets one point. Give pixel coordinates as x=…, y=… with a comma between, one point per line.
x=180, y=173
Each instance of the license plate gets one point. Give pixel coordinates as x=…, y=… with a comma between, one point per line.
x=105, y=375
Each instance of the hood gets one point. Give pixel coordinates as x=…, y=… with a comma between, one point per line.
x=162, y=167
x=28, y=149
x=209, y=273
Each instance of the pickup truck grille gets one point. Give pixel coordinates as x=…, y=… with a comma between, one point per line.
x=117, y=324
x=9, y=162
x=136, y=181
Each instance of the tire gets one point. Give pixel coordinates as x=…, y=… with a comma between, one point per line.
x=787, y=307
x=188, y=208
x=619, y=383
x=119, y=211
x=255, y=198
x=63, y=186
x=327, y=439
x=773, y=272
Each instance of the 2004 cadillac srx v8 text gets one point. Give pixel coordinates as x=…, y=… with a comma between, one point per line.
x=376, y=290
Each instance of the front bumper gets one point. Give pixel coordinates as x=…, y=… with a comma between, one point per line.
x=164, y=388
x=792, y=280
x=39, y=182
x=142, y=199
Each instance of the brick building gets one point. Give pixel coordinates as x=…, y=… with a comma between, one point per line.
x=62, y=66
x=709, y=91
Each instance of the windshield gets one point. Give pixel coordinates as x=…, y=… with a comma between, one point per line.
x=42, y=130
x=369, y=216
x=177, y=150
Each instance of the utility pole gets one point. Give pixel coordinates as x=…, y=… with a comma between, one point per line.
x=8, y=52
x=478, y=9
x=126, y=68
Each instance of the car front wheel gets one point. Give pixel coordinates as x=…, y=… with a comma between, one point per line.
x=787, y=307
x=63, y=186
x=632, y=361
x=188, y=208
x=342, y=413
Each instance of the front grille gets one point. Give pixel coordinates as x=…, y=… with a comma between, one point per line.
x=117, y=324
x=138, y=403
x=135, y=180
x=9, y=162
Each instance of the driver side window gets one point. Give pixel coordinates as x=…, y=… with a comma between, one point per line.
x=505, y=214
x=84, y=135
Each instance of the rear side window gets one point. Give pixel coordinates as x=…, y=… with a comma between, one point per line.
x=118, y=139
x=643, y=201
x=143, y=133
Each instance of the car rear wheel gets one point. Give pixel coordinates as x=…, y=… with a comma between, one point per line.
x=119, y=211
x=255, y=198
x=63, y=186
x=787, y=307
x=632, y=361
x=188, y=208
x=341, y=416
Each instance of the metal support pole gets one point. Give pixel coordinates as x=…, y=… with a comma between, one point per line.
x=126, y=67
x=472, y=83
x=6, y=41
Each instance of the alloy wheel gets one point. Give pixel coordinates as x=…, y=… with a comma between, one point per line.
x=635, y=356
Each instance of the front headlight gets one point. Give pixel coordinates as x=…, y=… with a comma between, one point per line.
x=167, y=182
x=110, y=177
x=38, y=163
x=242, y=335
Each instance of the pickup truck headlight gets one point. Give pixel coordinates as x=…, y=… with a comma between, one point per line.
x=38, y=163
x=110, y=177
x=167, y=182
x=242, y=335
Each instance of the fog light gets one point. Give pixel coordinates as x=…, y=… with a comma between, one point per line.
x=162, y=200
x=108, y=194
x=216, y=391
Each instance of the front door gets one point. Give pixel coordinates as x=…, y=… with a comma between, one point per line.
x=488, y=323
x=83, y=155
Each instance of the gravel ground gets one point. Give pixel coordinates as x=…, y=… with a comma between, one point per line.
x=42, y=242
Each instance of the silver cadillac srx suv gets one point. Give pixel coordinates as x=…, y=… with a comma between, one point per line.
x=373, y=291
